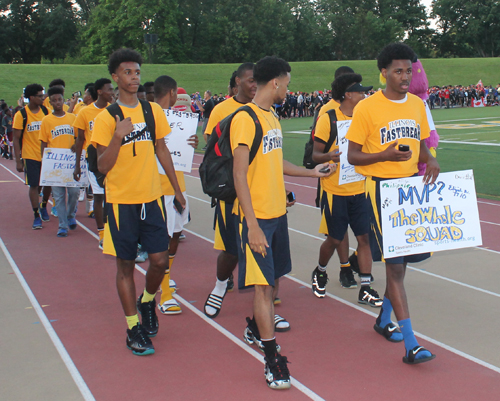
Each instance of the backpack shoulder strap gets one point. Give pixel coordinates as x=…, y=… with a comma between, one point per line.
x=258, y=132
x=115, y=110
x=44, y=109
x=149, y=119
x=333, y=130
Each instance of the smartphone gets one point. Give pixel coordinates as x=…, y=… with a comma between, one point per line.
x=325, y=170
x=77, y=94
x=404, y=148
x=291, y=197
x=178, y=206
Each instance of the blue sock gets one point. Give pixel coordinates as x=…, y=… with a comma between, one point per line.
x=385, y=313
x=409, y=337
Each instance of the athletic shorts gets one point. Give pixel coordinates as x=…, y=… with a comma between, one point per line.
x=96, y=188
x=225, y=226
x=129, y=224
x=254, y=269
x=32, y=170
x=176, y=220
x=372, y=186
x=338, y=212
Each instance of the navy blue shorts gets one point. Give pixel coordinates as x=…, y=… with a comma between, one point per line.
x=338, y=212
x=254, y=269
x=129, y=224
x=32, y=170
x=372, y=185
x=225, y=226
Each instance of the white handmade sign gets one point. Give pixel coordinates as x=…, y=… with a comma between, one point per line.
x=58, y=166
x=346, y=170
x=418, y=218
x=183, y=125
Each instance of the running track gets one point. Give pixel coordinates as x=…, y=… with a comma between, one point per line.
x=334, y=352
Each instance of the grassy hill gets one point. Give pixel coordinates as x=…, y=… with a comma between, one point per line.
x=306, y=76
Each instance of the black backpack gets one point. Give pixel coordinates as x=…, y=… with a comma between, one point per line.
x=216, y=170
x=308, y=151
x=115, y=110
x=25, y=122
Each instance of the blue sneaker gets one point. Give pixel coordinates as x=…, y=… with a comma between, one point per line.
x=62, y=232
x=43, y=213
x=53, y=211
x=37, y=223
x=72, y=223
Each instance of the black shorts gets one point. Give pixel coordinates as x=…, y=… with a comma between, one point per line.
x=129, y=224
x=372, y=185
x=32, y=170
x=338, y=212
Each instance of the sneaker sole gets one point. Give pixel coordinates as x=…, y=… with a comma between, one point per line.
x=370, y=304
x=147, y=352
x=282, y=386
x=349, y=288
x=36, y=228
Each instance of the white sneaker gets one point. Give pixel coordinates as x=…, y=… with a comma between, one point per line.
x=170, y=307
x=81, y=197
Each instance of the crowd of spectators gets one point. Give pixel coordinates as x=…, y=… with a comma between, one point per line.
x=462, y=96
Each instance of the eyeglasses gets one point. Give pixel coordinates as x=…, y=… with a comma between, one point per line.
x=40, y=96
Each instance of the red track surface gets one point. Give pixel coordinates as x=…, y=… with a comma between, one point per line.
x=332, y=348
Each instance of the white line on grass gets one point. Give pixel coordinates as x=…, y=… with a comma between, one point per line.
x=471, y=143
x=75, y=374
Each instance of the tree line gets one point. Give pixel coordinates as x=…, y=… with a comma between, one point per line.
x=232, y=31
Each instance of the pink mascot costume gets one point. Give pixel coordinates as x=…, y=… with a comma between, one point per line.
x=418, y=86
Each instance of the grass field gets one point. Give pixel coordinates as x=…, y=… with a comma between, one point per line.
x=469, y=139
x=306, y=76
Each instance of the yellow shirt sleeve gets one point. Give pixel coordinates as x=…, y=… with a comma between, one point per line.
x=80, y=122
x=18, y=121
x=242, y=130
x=44, y=134
x=323, y=127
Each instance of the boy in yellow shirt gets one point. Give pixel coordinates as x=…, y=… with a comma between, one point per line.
x=381, y=123
x=57, y=132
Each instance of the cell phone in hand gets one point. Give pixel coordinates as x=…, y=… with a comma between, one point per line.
x=178, y=206
x=325, y=170
x=291, y=197
x=77, y=94
x=404, y=148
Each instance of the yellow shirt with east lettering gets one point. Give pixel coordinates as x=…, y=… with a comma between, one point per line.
x=265, y=173
x=133, y=179
x=378, y=122
x=58, y=132
x=31, y=143
x=78, y=107
x=330, y=184
x=47, y=104
x=331, y=105
x=85, y=121
x=221, y=111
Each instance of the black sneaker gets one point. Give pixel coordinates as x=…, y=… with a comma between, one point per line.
x=139, y=342
x=346, y=278
x=149, y=318
x=353, y=260
x=368, y=296
x=251, y=335
x=319, y=280
x=277, y=373
x=230, y=283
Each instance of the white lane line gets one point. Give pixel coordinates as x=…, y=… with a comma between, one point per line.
x=370, y=313
x=465, y=119
x=75, y=374
x=298, y=385
x=489, y=222
x=471, y=143
x=488, y=203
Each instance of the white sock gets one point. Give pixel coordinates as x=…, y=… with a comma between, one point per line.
x=219, y=289
x=321, y=268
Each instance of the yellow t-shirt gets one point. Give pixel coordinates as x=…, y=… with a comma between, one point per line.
x=331, y=183
x=78, y=107
x=221, y=111
x=378, y=122
x=85, y=121
x=331, y=105
x=31, y=143
x=265, y=173
x=58, y=132
x=166, y=186
x=47, y=104
x=133, y=179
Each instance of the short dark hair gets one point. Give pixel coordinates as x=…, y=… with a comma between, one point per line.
x=243, y=68
x=122, y=56
x=268, y=68
x=141, y=88
x=163, y=85
x=232, y=81
x=93, y=92
x=32, y=90
x=99, y=84
x=56, y=82
x=149, y=84
x=56, y=90
x=343, y=70
x=343, y=82
x=395, y=51
x=88, y=85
